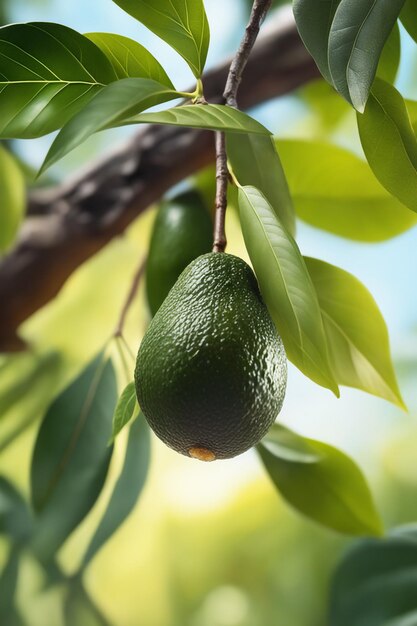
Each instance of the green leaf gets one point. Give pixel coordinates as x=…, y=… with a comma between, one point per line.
x=127, y=489
x=125, y=409
x=286, y=287
x=79, y=608
x=114, y=104
x=8, y=584
x=285, y=444
x=181, y=23
x=356, y=332
x=12, y=198
x=330, y=489
x=255, y=161
x=71, y=455
x=129, y=58
x=314, y=20
x=375, y=584
x=48, y=72
x=408, y=18
x=207, y=116
x=390, y=58
x=15, y=517
x=335, y=190
x=411, y=106
x=352, y=60
x=389, y=142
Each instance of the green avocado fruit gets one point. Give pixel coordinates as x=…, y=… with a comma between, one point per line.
x=183, y=230
x=211, y=370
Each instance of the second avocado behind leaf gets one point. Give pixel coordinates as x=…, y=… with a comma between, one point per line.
x=183, y=230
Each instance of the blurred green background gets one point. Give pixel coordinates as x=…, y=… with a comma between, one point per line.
x=208, y=545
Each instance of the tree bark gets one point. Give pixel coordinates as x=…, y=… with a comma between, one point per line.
x=68, y=224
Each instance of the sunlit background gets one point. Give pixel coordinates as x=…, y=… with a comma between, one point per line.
x=210, y=545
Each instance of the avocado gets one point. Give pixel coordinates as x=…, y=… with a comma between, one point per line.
x=183, y=230
x=211, y=370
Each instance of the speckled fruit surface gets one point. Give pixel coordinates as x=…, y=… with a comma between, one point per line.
x=211, y=370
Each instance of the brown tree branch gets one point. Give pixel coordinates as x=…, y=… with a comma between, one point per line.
x=70, y=223
x=259, y=10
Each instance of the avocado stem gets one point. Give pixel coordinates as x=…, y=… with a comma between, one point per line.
x=259, y=11
x=222, y=177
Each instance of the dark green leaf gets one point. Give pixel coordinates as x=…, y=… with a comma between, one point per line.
x=71, y=455
x=409, y=18
x=286, y=287
x=48, y=72
x=356, y=332
x=335, y=190
x=210, y=116
x=389, y=142
x=12, y=198
x=181, y=23
x=255, y=161
x=129, y=59
x=314, y=20
x=128, y=487
x=114, y=104
x=375, y=585
x=357, y=37
x=15, y=517
x=389, y=61
x=330, y=489
x=125, y=409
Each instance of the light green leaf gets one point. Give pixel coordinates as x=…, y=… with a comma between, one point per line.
x=125, y=409
x=255, y=161
x=207, y=116
x=390, y=58
x=313, y=22
x=389, y=142
x=71, y=455
x=114, y=104
x=327, y=109
x=335, y=190
x=412, y=112
x=127, y=489
x=181, y=23
x=356, y=332
x=330, y=490
x=12, y=198
x=129, y=58
x=408, y=18
x=375, y=584
x=48, y=72
x=357, y=37
x=286, y=287
x=285, y=444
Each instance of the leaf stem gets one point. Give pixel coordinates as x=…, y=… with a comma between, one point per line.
x=259, y=11
x=137, y=277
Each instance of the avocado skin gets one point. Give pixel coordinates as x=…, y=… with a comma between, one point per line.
x=183, y=230
x=211, y=370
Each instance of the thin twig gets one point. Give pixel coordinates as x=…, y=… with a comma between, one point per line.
x=259, y=10
x=222, y=174
x=130, y=297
